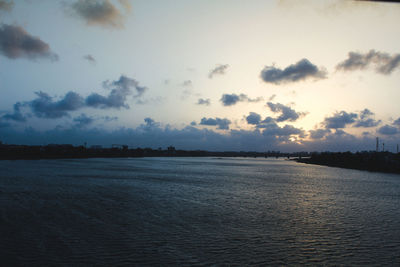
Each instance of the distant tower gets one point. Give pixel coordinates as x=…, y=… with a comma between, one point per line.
x=377, y=144
x=383, y=147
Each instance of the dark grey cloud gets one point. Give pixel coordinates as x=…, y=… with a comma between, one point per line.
x=205, y=102
x=100, y=12
x=366, y=119
x=253, y=118
x=282, y=132
x=383, y=63
x=232, y=99
x=149, y=124
x=287, y=113
x=83, y=120
x=388, y=130
x=117, y=98
x=16, y=115
x=222, y=124
x=268, y=122
x=6, y=5
x=218, y=70
x=89, y=58
x=270, y=128
x=397, y=122
x=319, y=133
x=229, y=99
x=15, y=43
x=340, y=120
x=44, y=106
x=302, y=70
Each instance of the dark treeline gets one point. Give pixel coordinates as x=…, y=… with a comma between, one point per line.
x=56, y=151
x=369, y=161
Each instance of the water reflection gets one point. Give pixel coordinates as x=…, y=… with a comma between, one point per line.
x=196, y=211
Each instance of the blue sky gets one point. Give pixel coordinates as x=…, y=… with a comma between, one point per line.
x=216, y=75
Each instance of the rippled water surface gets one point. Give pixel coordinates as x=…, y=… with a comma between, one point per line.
x=195, y=211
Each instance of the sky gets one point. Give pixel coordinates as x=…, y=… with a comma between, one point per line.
x=233, y=75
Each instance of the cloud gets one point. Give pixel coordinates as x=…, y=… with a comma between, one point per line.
x=229, y=99
x=16, y=115
x=319, y=133
x=382, y=62
x=83, y=120
x=272, y=97
x=218, y=70
x=222, y=124
x=205, y=102
x=149, y=124
x=253, y=118
x=90, y=58
x=272, y=130
x=154, y=101
x=232, y=99
x=6, y=5
x=366, y=120
x=287, y=113
x=388, y=130
x=340, y=120
x=397, y=122
x=15, y=43
x=45, y=107
x=101, y=12
x=282, y=132
x=120, y=90
x=302, y=70
x=268, y=121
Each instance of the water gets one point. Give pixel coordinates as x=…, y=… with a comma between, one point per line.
x=196, y=211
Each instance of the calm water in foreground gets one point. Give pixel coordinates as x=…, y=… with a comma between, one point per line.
x=195, y=211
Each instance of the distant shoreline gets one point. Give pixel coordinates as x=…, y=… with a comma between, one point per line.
x=384, y=162
x=370, y=161
x=59, y=151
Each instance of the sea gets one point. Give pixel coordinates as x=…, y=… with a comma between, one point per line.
x=195, y=212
